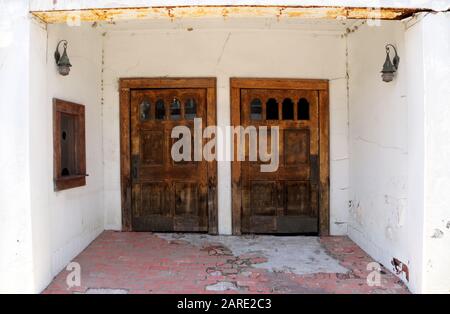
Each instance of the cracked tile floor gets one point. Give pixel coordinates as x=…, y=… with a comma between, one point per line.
x=132, y=262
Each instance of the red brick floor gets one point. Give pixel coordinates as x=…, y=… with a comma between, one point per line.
x=146, y=263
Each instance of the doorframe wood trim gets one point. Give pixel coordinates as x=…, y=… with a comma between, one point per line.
x=322, y=87
x=278, y=83
x=125, y=87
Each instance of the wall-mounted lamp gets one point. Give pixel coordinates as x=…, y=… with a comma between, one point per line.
x=389, y=68
x=62, y=62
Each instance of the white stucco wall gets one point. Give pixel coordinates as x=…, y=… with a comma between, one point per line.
x=416, y=145
x=16, y=262
x=65, y=222
x=435, y=29
x=428, y=71
x=399, y=148
x=379, y=219
x=224, y=49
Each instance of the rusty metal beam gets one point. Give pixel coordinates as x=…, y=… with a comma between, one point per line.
x=307, y=12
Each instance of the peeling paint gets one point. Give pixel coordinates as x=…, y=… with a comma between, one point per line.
x=437, y=234
x=308, y=12
x=400, y=267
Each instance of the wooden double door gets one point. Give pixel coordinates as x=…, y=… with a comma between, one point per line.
x=160, y=194
x=292, y=199
x=169, y=195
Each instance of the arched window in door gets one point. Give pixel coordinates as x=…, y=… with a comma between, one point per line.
x=160, y=110
x=175, y=109
x=303, y=109
x=256, y=109
x=190, y=109
x=272, y=109
x=288, y=109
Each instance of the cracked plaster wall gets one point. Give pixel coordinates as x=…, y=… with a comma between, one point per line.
x=378, y=138
x=398, y=139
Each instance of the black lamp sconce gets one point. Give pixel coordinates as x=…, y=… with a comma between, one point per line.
x=62, y=61
x=390, y=67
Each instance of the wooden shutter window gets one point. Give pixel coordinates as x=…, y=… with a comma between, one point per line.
x=69, y=150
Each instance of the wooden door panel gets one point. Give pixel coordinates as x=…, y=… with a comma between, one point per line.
x=298, y=198
x=284, y=201
x=263, y=198
x=152, y=200
x=296, y=224
x=152, y=148
x=154, y=223
x=296, y=147
x=259, y=224
x=167, y=195
x=186, y=198
x=187, y=223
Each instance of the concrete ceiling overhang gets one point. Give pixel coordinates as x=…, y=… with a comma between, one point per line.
x=199, y=11
x=51, y=5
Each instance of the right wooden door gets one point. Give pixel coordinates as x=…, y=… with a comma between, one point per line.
x=285, y=201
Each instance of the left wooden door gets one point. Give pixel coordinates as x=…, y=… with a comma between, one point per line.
x=166, y=195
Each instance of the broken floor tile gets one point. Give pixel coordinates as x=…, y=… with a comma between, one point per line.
x=121, y=262
x=222, y=286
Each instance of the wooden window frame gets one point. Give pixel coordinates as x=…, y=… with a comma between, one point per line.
x=126, y=85
x=79, y=179
x=322, y=86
